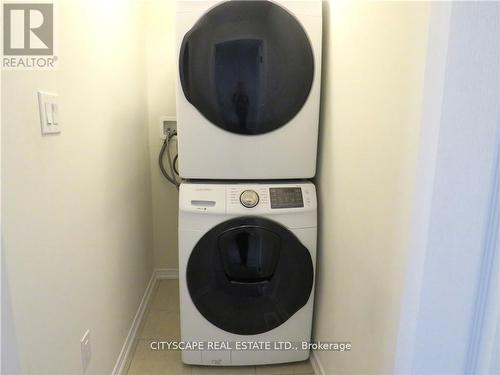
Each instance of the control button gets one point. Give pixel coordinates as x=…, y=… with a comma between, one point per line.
x=249, y=198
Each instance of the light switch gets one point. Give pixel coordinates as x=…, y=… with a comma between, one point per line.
x=55, y=114
x=49, y=113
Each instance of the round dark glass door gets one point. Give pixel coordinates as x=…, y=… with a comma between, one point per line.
x=249, y=275
x=247, y=66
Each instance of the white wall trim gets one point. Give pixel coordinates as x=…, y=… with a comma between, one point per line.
x=158, y=274
x=487, y=307
x=167, y=273
x=316, y=364
x=129, y=340
x=439, y=28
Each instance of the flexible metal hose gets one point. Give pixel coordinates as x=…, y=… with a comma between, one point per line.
x=166, y=148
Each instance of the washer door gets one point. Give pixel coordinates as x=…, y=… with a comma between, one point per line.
x=249, y=275
x=247, y=66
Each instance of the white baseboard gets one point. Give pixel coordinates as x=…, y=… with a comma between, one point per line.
x=159, y=273
x=316, y=364
x=167, y=273
x=129, y=340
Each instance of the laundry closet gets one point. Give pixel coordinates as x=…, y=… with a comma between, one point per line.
x=287, y=185
x=248, y=96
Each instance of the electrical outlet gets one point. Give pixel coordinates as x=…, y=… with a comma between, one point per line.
x=85, y=350
x=167, y=123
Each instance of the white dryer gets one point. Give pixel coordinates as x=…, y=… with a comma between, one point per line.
x=248, y=88
x=247, y=257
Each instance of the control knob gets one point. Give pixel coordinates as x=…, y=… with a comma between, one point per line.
x=249, y=198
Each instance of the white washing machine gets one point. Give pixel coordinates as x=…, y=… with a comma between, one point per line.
x=248, y=88
x=247, y=257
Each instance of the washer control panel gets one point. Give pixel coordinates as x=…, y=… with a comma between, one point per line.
x=257, y=199
x=249, y=198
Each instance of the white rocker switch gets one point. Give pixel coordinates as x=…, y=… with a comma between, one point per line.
x=49, y=113
x=55, y=114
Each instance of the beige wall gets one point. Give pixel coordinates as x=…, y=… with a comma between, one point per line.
x=161, y=70
x=77, y=206
x=374, y=61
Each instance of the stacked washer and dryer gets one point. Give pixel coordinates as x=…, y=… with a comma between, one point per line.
x=248, y=93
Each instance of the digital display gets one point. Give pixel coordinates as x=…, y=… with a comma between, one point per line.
x=289, y=197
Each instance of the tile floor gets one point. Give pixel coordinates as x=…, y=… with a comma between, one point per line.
x=161, y=322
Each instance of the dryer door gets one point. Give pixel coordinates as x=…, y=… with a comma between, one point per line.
x=247, y=66
x=249, y=275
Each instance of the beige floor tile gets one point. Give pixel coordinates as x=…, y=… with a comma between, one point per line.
x=159, y=324
x=214, y=370
x=166, y=296
x=148, y=362
x=303, y=368
x=284, y=369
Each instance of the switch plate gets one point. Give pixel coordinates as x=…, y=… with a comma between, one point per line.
x=166, y=123
x=49, y=117
x=85, y=350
